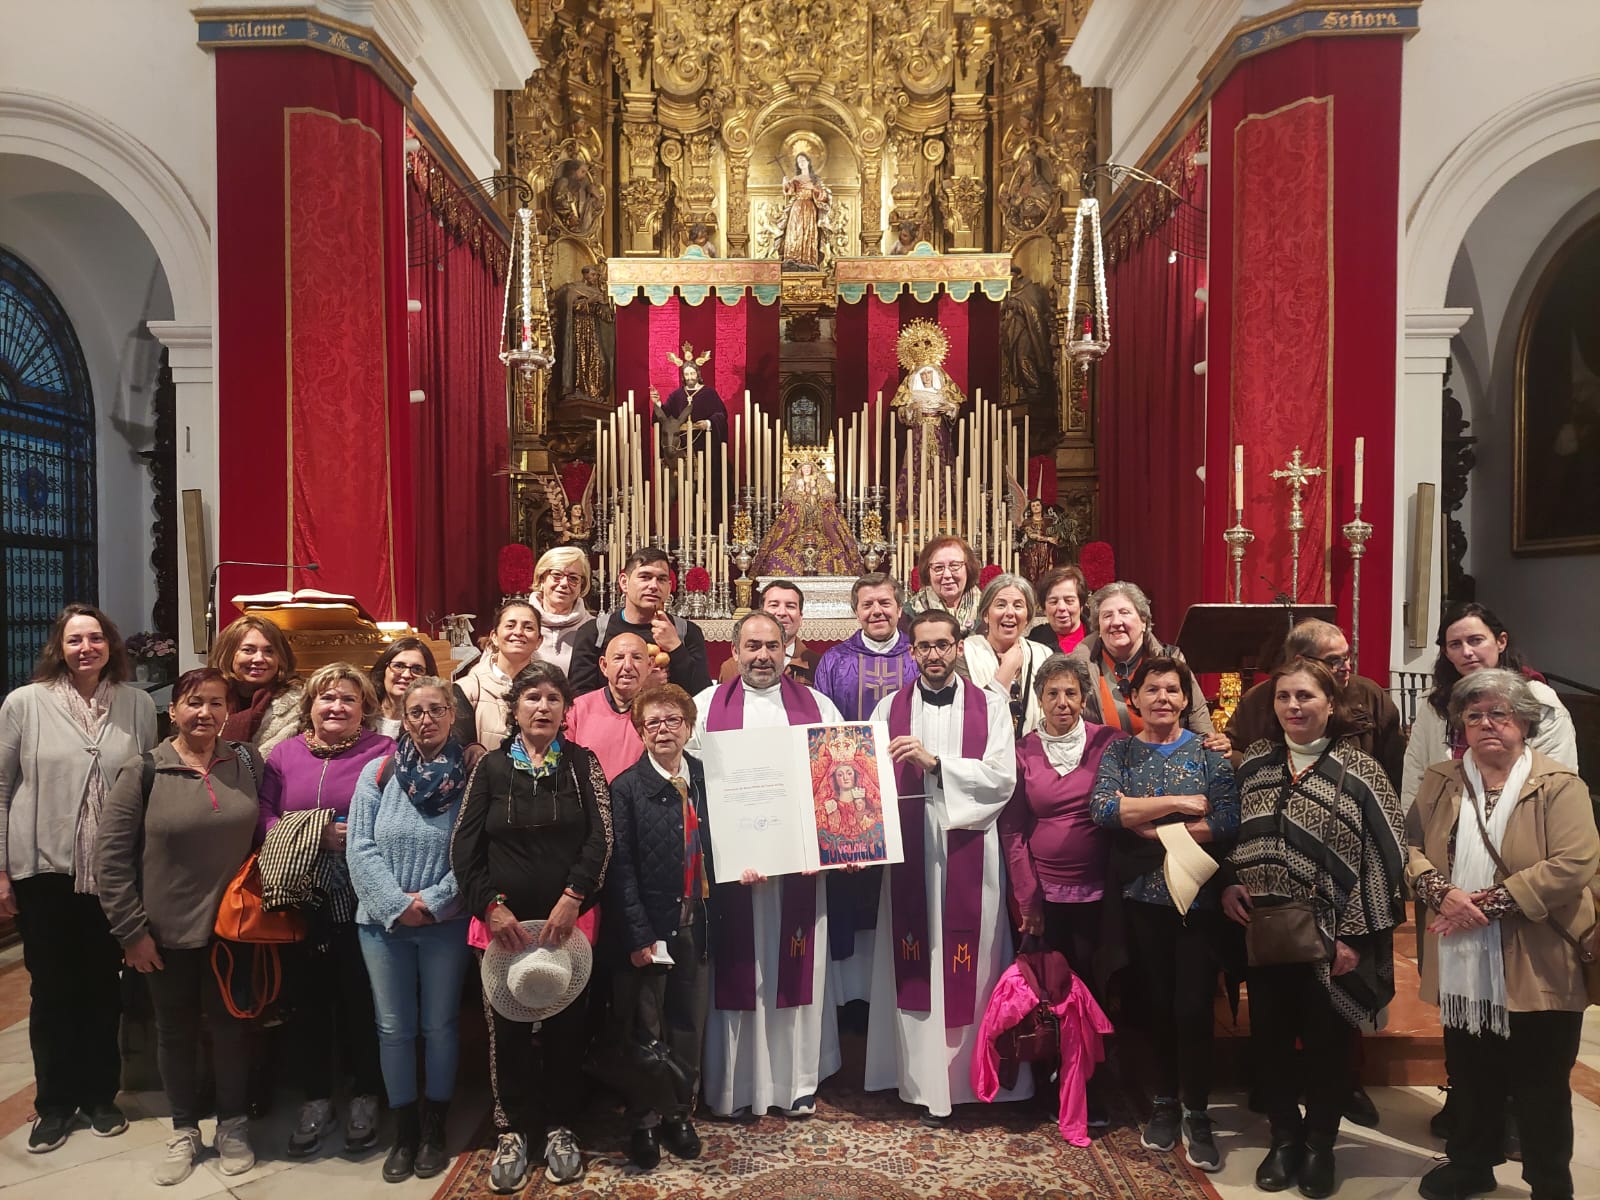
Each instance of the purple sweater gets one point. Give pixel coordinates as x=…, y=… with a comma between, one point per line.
x=296, y=778
x=1054, y=851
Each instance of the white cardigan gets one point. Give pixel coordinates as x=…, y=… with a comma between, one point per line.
x=982, y=663
x=45, y=761
x=1430, y=739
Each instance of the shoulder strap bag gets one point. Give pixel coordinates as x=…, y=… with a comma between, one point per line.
x=1290, y=932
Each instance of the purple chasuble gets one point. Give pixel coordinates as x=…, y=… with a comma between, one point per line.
x=733, y=932
x=963, y=885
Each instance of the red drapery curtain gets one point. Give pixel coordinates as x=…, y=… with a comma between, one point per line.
x=460, y=429
x=1152, y=404
x=311, y=327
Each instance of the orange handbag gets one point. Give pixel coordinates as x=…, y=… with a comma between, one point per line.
x=241, y=917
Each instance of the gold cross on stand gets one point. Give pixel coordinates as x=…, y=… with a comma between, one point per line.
x=1298, y=475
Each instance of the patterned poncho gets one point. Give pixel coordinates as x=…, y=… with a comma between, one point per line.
x=1340, y=840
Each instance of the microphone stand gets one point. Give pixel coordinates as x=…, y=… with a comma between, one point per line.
x=211, y=589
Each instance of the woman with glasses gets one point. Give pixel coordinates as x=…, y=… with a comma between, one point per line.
x=948, y=570
x=411, y=921
x=561, y=581
x=1503, y=853
x=1001, y=656
x=656, y=895
x=405, y=661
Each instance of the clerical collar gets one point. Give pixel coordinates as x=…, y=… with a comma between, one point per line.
x=940, y=698
x=879, y=647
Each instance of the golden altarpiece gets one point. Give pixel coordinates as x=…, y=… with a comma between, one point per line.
x=804, y=159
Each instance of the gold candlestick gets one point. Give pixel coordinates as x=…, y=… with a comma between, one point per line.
x=1298, y=475
x=1238, y=538
x=1356, y=533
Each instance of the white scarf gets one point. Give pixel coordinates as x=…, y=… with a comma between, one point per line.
x=1472, y=971
x=1065, y=751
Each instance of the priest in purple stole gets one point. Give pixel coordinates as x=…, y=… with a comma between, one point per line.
x=773, y=1034
x=943, y=933
x=875, y=662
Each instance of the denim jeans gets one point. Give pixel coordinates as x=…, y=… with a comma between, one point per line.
x=417, y=959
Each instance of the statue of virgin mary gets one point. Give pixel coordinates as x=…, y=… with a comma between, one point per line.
x=804, y=224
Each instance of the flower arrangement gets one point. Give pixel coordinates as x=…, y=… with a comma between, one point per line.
x=988, y=575
x=916, y=580
x=1098, y=562
x=515, y=569
x=151, y=647
x=697, y=580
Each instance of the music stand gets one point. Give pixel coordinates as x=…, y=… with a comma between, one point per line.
x=1218, y=638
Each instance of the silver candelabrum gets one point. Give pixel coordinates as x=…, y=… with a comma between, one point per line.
x=1356, y=534
x=1238, y=537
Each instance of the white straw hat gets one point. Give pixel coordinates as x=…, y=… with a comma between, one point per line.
x=536, y=982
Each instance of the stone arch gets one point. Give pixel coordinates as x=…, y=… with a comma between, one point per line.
x=58, y=131
x=1532, y=129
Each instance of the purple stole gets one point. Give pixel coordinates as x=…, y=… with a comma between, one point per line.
x=733, y=941
x=963, y=889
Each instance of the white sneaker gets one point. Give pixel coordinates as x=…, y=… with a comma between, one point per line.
x=183, y=1147
x=508, y=1170
x=563, y=1157
x=233, y=1145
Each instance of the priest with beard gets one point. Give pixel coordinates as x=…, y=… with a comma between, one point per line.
x=943, y=935
x=773, y=1034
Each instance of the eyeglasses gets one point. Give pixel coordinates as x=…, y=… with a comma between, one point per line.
x=941, y=647
x=946, y=568
x=400, y=668
x=436, y=711
x=563, y=577
x=1495, y=716
x=1335, y=661
x=670, y=724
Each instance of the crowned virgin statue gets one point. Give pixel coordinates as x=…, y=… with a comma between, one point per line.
x=809, y=535
x=928, y=402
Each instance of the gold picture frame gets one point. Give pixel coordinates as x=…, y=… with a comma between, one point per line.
x=1556, y=443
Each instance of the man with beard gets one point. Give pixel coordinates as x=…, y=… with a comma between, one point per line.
x=783, y=600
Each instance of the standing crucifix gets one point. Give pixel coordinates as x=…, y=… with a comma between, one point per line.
x=1298, y=475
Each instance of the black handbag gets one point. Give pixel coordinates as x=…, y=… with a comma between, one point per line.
x=1285, y=932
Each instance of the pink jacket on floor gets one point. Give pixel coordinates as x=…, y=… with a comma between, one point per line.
x=1083, y=1024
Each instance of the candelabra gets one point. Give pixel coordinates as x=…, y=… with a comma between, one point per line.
x=1356, y=533
x=1238, y=537
x=1298, y=475
x=871, y=543
x=742, y=549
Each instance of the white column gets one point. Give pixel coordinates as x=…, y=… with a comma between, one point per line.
x=191, y=356
x=1419, y=451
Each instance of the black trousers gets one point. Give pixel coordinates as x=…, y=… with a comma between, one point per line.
x=536, y=1075
x=1175, y=967
x=185, y=992
x=1289, y=1004
x=1533, y=1065
x=74, y=968
x=1073, y=931
x=333, y=1019
x=667, y=1004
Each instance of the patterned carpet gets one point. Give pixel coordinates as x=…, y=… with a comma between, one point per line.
x=871, y=1147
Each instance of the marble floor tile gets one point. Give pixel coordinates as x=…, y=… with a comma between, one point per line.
x=121, y=1176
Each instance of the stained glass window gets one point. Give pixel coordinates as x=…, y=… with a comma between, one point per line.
x=47, y=488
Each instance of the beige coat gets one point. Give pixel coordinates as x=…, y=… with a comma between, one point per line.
x=1552, y=849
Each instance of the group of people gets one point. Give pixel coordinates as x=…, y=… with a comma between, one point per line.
x=547, y=811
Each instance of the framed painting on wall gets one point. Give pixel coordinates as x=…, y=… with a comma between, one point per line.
x=1556, y=469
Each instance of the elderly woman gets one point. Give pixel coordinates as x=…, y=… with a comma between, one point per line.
x=405, y=661
x=325, y=975
x=1123, y=640
x=176, y=827
x=561, y=581
x=1503, y=852
x=1000, y=655
x=1319, y=820
x=62, y=739
x=534, y=838
x=1165, y=775
x=410, y=919
x=1061, y=594
x=480, y=697
x=1055, y=853
x=264, y=692
x=1472, y=638
x=948, y=570
x=656, y=894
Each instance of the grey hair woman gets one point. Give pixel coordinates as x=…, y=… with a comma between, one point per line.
x=1503, y=852
x=1000, y=655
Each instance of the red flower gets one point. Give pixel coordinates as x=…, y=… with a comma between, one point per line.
x=516, y=569
x=1098, y=562
x=916, y=580
x=988, y=575
x=698, y=579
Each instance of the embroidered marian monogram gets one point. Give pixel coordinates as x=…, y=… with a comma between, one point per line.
x=961, y=960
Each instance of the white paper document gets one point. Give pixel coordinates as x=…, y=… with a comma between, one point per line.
x=800, y=798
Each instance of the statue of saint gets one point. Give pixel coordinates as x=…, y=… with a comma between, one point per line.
x=1046, y=536
x=905, y=238
x=585, y=338
x=928, y=402
x=809, y=535
x=1027, y=359
x=805, y=229
x=1026, y=197
x=575, y=202
x=693, y=415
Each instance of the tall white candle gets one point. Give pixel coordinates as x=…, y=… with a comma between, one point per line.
x=1361, y=467
x=1238, y=478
